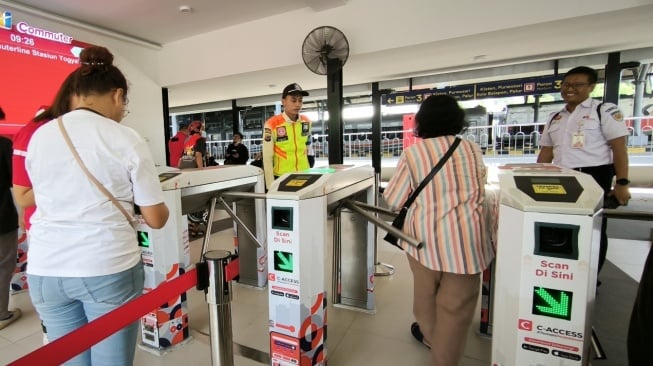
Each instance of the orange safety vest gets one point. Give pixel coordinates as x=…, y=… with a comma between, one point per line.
x=290, y=139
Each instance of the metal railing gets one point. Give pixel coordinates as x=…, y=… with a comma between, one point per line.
x=499, y=140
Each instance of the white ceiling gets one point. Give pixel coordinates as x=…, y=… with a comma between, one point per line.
x=160, y=21
x=388, y=39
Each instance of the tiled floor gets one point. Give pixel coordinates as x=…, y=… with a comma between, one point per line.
x=354, y=339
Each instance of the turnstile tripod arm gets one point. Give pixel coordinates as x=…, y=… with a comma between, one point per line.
x=612, y=213
x=381, y=210
x=253, y=195
x=238, y=221
x=354, y=206
x=209, y=223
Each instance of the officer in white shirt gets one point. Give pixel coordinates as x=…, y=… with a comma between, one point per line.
x=590, y=137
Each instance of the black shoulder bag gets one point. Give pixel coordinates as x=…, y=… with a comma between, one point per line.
x=398, y=222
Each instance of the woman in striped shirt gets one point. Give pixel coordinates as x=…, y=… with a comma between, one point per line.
x=447, y=217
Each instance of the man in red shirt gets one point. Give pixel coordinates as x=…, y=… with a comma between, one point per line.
x=8, y=234
x=176, y=144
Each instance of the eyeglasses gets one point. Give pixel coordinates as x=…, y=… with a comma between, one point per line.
x=575, y=86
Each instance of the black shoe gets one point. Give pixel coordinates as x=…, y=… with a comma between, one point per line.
x=417, y=333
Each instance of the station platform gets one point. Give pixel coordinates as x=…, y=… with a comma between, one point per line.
x=356, y=338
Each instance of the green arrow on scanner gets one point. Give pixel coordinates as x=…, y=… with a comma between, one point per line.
x=560, y=308
x=285, y=263
x=144, y=239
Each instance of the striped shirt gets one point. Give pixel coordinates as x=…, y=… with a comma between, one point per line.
x=448, y=215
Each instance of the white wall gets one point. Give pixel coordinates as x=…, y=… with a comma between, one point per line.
x=139, y=64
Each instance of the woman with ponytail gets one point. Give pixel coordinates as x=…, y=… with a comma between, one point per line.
x=84, y=255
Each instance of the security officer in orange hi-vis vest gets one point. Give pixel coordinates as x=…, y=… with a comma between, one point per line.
x=285, y=137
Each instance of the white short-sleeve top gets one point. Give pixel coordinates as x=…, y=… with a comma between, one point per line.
x=594, y=132
x=76, y=230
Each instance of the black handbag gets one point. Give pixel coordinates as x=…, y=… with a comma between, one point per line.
x=398, y=221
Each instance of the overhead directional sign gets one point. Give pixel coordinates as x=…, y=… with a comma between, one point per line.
x=460, y=92
x=283, y=261
x=552, y=303
x=491, y=89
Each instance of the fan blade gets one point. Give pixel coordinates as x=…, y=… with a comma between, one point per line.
x=324, y=43
x=315, y=64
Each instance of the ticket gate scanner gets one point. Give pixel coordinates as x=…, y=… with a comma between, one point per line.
x=166, y=251
x=546, y=266
x=301, y=268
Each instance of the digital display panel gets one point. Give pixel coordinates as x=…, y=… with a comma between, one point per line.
x=565, y=189
x=552, y=303
x=295, y=182
x=33, y=64
x=143, y=239
x=283, y=261
x=549, y=189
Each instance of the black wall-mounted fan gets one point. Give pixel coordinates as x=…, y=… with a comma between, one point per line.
x=323, y=44
x=325, y=51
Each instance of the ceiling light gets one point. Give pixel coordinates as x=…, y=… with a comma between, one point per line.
x=185, y=9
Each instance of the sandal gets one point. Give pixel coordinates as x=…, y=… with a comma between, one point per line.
x=195, y=230
x=197, y=233
x=417, y=333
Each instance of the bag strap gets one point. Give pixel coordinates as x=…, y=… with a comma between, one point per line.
x=90, y=176
x=598, y=111
x=435, y=169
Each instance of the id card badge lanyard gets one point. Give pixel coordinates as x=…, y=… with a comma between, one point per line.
x=578, y=138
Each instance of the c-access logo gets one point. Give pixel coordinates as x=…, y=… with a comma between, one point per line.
x=5, y=20
x=525, y=324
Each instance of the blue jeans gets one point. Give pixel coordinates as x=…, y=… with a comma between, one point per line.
x=67, y=303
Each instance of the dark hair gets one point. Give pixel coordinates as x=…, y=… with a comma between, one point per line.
x=61, y=103
x=239, y=134
x=439, y=115
x=592, y=75
x=96, y=73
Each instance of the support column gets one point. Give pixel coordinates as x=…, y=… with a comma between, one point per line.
x=612, y=78
x=334, y=104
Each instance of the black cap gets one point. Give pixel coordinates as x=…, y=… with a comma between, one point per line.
x=293, y=89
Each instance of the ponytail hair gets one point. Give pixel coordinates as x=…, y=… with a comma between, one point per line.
x=97, y=74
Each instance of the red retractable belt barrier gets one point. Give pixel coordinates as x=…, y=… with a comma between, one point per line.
x=83, y=338
x=232, y=269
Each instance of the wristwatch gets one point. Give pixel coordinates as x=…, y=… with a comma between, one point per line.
x=623, y=181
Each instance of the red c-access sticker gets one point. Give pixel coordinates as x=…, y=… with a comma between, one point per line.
x=525, y=324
